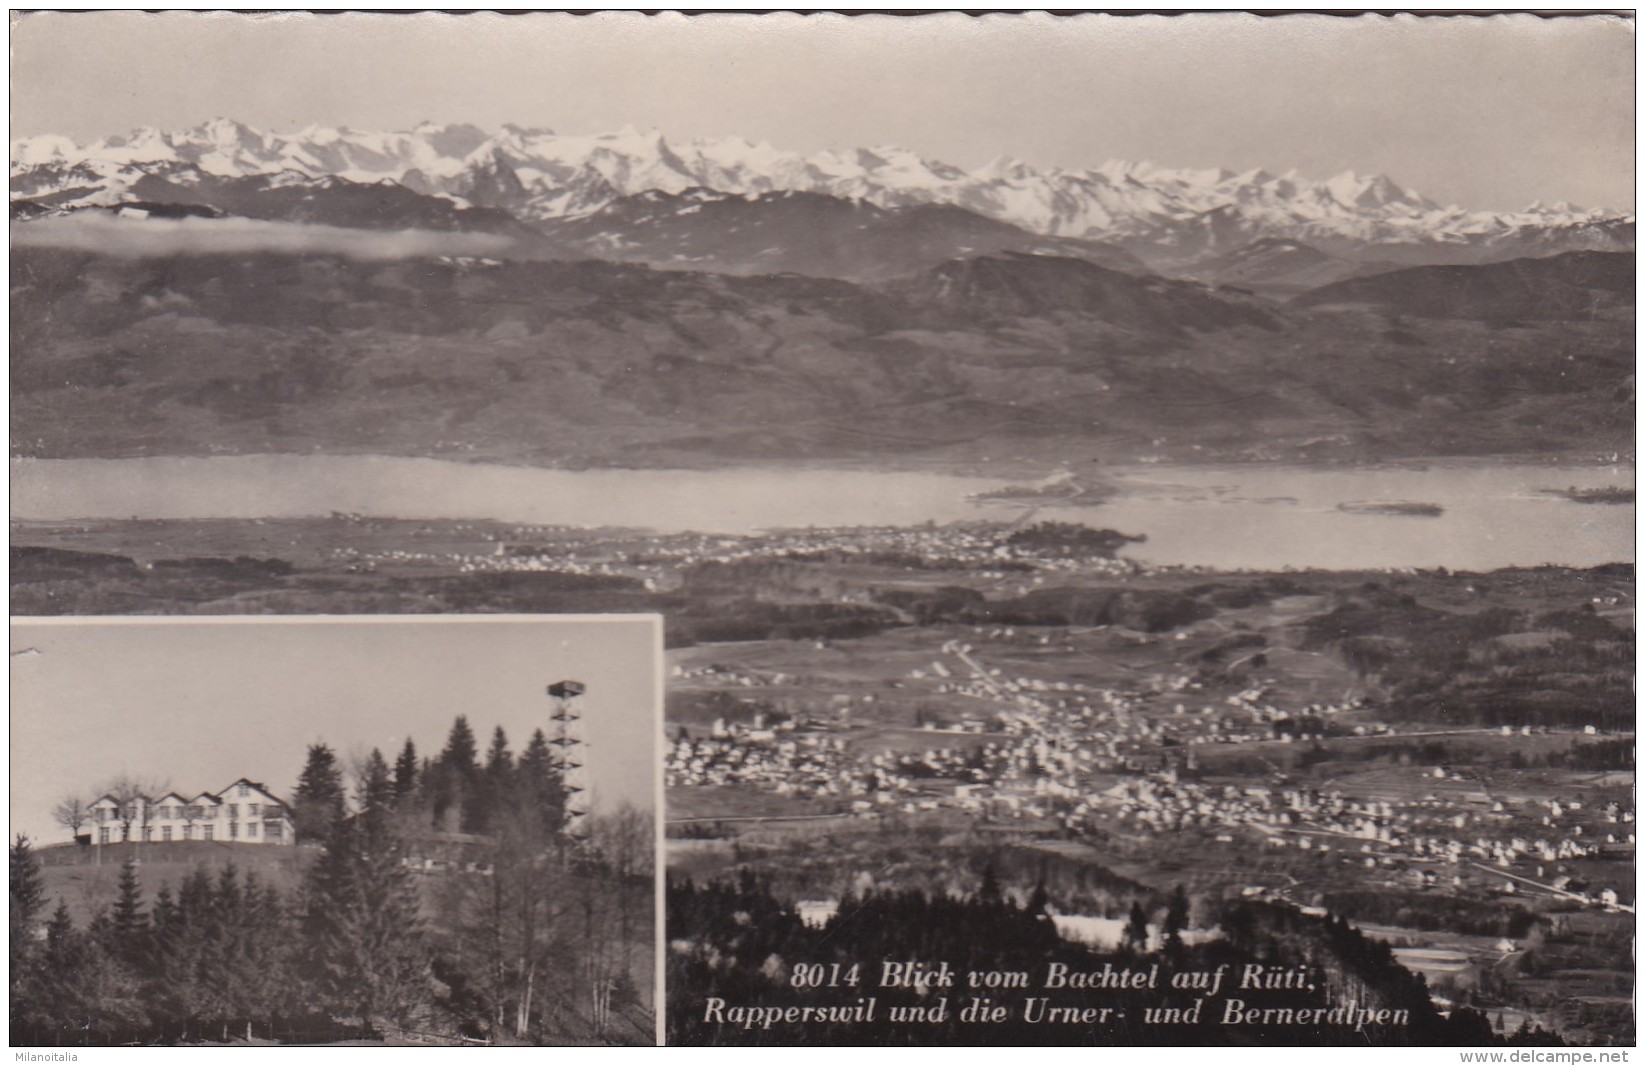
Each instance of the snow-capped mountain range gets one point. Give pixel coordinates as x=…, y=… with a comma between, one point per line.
x=1164, y=215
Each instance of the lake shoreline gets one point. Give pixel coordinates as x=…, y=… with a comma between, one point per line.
x=1475, y=516
x=1026, y=467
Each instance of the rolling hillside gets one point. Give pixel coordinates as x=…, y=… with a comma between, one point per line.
x=568, y=363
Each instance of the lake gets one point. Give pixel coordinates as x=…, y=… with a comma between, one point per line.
x=1227, y=517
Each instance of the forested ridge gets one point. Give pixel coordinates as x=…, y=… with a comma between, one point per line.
x=452, y=899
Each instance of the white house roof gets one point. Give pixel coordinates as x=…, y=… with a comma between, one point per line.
x=257, y=786
x=201, y=799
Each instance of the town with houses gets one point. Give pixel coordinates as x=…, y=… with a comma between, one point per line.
x=1083, y=761
x=659, y=558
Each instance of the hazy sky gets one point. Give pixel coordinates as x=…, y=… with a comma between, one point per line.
x=1489, y=112
x=202, y=702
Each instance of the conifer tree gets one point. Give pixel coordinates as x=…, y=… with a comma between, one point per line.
x=542, y=790
x=499, y=761
x=492, y=787
x=376, y=794
x=131, y=925
x=461, y=752
x=27, y=996
x=1176, y=919
x=452, y=791
x=93, y=987
x=364, y=938
x=317, y=803
x=183, y=955
x=45, y=1010
x=266, y=950
x=165, y=911
x=405, y=773
x=374, y=787
x=27, y=896
x=1136, y=929
x=1040, y=899
x=989, y=892
x=536, y=760
x=515, y=936
x=60, y=928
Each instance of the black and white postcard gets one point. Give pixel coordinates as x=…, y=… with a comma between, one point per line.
x=425, y=831
x=1141, y=508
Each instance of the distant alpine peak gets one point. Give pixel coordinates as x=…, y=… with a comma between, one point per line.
x=537, y=173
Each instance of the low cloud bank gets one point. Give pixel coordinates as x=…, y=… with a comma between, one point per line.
x=111, y=235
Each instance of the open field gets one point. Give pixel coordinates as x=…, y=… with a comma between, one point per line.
x=86, y=878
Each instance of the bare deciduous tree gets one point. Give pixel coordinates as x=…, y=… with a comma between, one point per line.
x=72, y=812
x=126, y=790
x=626, y=843
x=613, y=893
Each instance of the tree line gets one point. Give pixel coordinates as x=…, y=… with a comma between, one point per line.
x=732, y=939
x=1565, y=668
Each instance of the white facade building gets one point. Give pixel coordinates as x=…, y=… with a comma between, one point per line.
x=245, y=812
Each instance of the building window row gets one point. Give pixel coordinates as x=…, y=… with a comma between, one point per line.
x=270, y=831
x=192, y=812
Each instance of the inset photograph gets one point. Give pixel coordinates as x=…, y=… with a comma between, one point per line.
x=322, y=830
